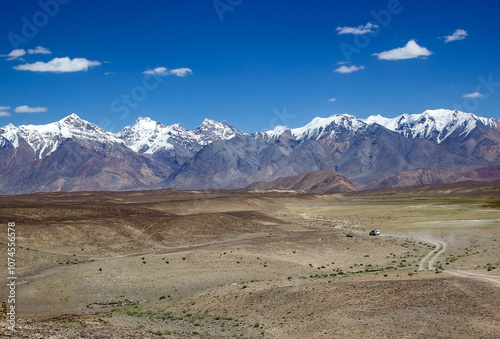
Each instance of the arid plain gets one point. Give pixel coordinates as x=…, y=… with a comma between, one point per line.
x=257, y=264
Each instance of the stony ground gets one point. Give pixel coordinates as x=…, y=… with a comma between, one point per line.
x=254, y=265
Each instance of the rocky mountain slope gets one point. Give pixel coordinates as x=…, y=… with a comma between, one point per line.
x=73, y=154
x=362, y=150
x=488, y=173
x=322, y=181
x=421, y=176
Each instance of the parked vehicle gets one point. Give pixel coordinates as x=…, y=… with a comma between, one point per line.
x=375, y=232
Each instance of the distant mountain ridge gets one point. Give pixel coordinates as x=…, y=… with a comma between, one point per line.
x=322, y=181
x=436, y=125
x=151, y=155
x=421, y=176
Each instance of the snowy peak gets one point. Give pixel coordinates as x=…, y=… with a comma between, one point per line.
x=74, y=120
x=73, y=126
x=436, y=125
x=147, y=124
x=145, y=136
x=321, y=127
x=148, y=136
x=210, y=131
x=331, y=126
x=44, y=139
x=9, y=133
x=276, y=132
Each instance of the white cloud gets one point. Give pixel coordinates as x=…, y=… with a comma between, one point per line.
x=27, y=109
x=472, y=95
x=349, y=69
x=163, y=71
x=182, y=72
x=157, y=70
x=3, y=111
x=15, y=54
x=59, y=65
x=356, y=30
x=39, y=50
x=410, y=51
x=459, y=34
x=332, y=99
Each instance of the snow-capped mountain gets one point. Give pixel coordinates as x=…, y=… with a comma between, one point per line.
x=45, y=139
x=210, y=131
x=362, y=149
x=73, y=154
x=328, y=127
x=147, y=136
x=436, y=125
x=321, y=127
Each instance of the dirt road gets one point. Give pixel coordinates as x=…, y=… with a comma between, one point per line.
x=472, y=275
x=427, y=263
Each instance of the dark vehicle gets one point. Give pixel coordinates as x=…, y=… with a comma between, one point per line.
x=375, y=232
x=349, y=235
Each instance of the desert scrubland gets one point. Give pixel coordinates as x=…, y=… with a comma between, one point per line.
x=255, y=264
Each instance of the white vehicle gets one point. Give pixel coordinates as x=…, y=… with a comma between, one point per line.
x=375, y=232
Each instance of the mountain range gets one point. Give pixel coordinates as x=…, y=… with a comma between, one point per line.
x=75, y=155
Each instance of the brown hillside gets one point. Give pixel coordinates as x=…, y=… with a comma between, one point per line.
x=421, y=176
x=485, y=173
x=323, y=181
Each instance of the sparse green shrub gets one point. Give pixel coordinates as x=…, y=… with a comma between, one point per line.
x=160, y=332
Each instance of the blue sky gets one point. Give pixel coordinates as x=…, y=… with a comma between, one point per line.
x=255, y=64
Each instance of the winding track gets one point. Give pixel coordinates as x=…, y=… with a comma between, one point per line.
x=430, y=259
x=428, y=262
x=473, y=275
